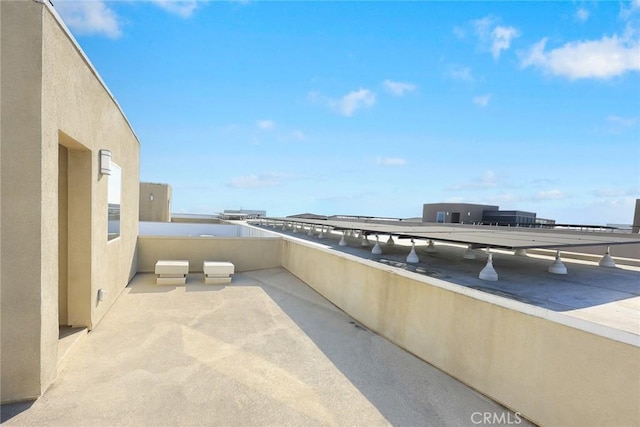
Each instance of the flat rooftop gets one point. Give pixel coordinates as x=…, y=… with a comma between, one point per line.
x=264, y=350
x=609, y=297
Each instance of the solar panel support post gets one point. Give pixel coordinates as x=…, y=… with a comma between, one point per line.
x=412, y=258
x=488, y=272
x=606, y=260
x=377, y=250
x=557, y=267
x=469, y=253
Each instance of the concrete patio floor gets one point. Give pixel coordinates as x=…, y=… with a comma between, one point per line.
x=264, y=350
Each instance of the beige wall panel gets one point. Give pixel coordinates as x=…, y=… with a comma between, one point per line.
x=77, y=104
x=158, y=209
x=553, y=374
x=21, y=191
x=52, y=96
x=245, y=253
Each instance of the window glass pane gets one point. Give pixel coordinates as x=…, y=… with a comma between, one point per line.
x=113, y=200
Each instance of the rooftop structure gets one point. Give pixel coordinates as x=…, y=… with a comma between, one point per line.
x=470, y=213
x=313, y=329
x=155, y=202
x=232, y=214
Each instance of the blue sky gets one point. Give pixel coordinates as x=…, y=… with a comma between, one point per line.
x=375, y=108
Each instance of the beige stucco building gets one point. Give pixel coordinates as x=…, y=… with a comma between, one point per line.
x=68, y=231
x=155, y=202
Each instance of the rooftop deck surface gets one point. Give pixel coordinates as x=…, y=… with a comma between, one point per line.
x=264, y=350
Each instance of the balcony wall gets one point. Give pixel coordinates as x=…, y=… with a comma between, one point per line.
x=246, y=253
x=521, y=356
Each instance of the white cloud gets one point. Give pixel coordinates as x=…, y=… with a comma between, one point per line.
x=495, y=38
x=609, y=192
x=488, y=180
x=398, y=88
x=582, y=14
x=298, y=135
x=459, y=32
x=624, y=122
x=461, y=73
x=266, y=124
x=257, y=181
x=182, y=8
x=550, y=195
x=391, y=161
x=482, y=100
x=501, y=39
x=355, y=100
x=348, y=104
x=627, y=12
x=600, y=59
x=482, y=26
x=89, y=17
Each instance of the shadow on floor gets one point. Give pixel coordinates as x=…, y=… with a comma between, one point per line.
x=10, y=410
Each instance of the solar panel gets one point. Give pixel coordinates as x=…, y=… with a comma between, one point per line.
x=479, y=236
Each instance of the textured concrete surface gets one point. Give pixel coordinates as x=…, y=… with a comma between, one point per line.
x=265, y=350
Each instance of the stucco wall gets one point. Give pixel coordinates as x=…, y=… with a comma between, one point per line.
x=51, y=96
x=76, y=103
x=158, y=207
x=516, y=354
x=246, y=254
x=21, y=190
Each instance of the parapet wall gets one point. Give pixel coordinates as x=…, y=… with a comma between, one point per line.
x=246, y=253
x=521, y=356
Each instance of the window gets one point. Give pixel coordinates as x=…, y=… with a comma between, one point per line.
x=440, y=217
x=114, y=192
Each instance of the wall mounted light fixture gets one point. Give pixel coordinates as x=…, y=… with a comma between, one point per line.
x=105, y=162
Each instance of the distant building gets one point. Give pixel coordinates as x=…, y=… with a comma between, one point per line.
x=509, y=217
x=239, y=214
x=155, y=202
x=307, y=216
x=458, y=213
x=454, y=213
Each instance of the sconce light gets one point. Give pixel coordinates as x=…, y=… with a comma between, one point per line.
x=151, y=197
x=102, y=294
x=105, y=162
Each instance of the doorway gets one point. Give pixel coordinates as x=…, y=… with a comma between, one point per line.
x=63, y=234
x=74, y=232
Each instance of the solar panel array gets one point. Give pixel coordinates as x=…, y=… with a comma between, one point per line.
x=479, y=236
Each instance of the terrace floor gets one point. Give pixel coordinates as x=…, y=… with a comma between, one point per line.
x=264, y=350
